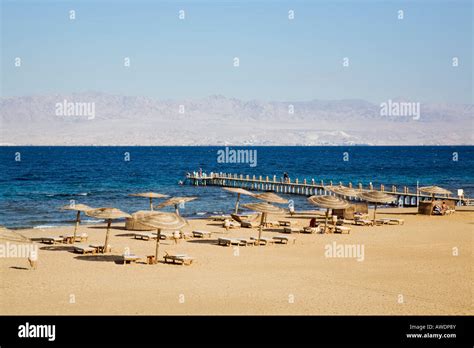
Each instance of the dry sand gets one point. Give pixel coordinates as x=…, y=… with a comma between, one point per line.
x=414, y=260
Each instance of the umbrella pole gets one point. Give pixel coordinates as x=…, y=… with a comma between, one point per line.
x=260, y=228
x=78, y=220
x=109, y=222
x=326, y=222
x=151, y=204
x=375, y=213
x=237, y=203
x=158, y=232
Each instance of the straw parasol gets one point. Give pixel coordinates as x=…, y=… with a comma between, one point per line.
x=328, y=202
x=77, y=208
x=13, y=236
x=107, y=214
x=149, y=195
x=161, y=220
x=343, y=191
x=271, y=197
x=434, y=190
x=264, y=208
x=239, y=191
x=176, y=201
x=376, y=197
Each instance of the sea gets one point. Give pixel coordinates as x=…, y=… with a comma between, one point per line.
x=36, y=181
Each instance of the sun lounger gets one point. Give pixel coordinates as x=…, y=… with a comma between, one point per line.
x=182, y=259
x=264, y=240
x=130, y=258
x=166, y=235
x=291, y=230
x=186, y=235
x=284, y=222
x=84, y=249
x=202, y=234
x=271, y=223
x=145, y=235
x=244, y=241
x=228, y=241
x=392, y=221
x=99, y=247
x=364, y=222
x=50, y=239
x=68, y=238
x=342, y=229
x=284, y=239
x=309, y=230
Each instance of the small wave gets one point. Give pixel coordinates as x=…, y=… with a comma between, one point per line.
x=66, y=194
x=201, y=213
x=44, y=226
x=89, y=221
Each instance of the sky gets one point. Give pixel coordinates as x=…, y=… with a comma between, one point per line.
x=280, y=59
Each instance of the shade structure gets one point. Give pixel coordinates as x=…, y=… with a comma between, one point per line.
x=328, y=202
x=175, y=201
x=377, y=197
x=149, y=195
x=13, y=236
x=264, y=208
x=239, y=191
x=108, y=214
x=162, y=220
x=434, y=190
x=271, y=197
x=343, y=191
x=78, y=208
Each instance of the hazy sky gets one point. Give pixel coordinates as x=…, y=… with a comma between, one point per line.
x=280, y=59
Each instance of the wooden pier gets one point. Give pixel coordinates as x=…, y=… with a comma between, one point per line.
x=405, y=196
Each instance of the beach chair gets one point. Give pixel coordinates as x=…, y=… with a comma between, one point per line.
x=244, y=241
x=364, y=222
x=291, y=230
x=264, y=240
x=228, y=241
x=284, y=239
x=309, y=230
x=130, y=258
x=219, y=217
x=284, y=222
x=201, y=234
x=145, y=235
x=99, y=247
x=182, y=259
x=227, y=224
x=247, y=221
x=50, y=239
x=166, y=235
x=342, y=229
x=84, y=249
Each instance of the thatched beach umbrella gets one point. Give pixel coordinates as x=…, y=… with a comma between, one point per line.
x=239, y=191
x=377, y=197
x=161, y=220
x=328, y=202
x=434, y=190
x=107, y=214
x=175, y=201
x=264, y=208
x=149, y=195
x=343, y=191
x=77, y=208
x=271, y=197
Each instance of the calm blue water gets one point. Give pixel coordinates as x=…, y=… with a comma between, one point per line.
x=32, y=190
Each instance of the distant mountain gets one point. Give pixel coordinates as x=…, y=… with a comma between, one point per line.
x=103, y=119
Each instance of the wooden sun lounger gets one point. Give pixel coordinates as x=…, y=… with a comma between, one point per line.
x=284, y=239
x=68, y=238
x=145, y=235
x=84, y=249
x=245, y=241
x=308, y=229
x=291, y=230
x=342, y=229
x=264, y=240
x=364, y=222
x=201, y=234
x=182, y=259
x=284, y=222
x=50, y=239
x=130, y=258
x=393, y=221
x=228, y=241
x=220, y=217
x=166, y=235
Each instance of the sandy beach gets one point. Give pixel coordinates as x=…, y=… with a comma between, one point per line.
x=406, y=269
